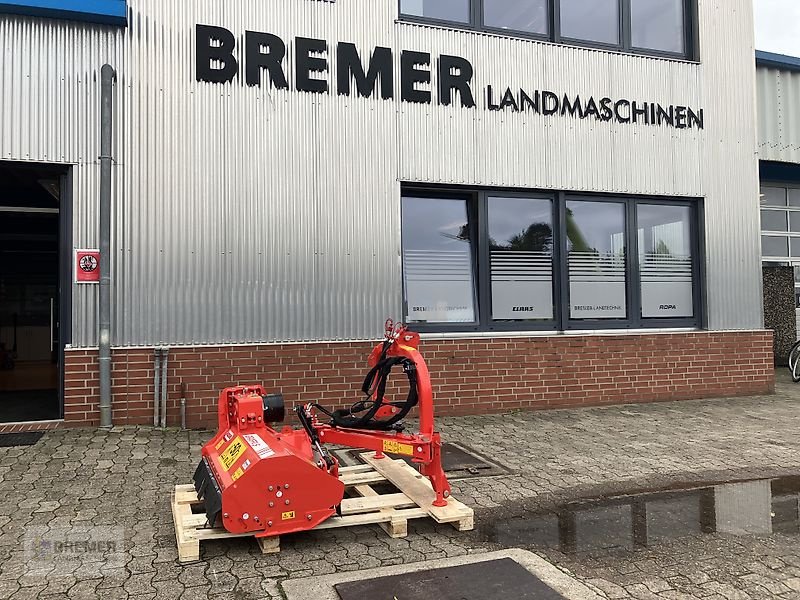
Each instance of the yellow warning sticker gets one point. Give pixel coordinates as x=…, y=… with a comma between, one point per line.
x=393, y=447
x=218, y=445
x=232, y=453
x=237, y=473
x=287, y=515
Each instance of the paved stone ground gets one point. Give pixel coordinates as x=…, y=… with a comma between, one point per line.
x=79, y=478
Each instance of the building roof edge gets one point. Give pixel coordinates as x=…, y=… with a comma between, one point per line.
x=777, y=61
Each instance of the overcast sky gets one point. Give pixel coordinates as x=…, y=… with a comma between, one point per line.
x=778, y=26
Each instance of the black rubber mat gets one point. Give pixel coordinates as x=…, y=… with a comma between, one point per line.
x=502, y=579
x=458, y=459
x=25, y=438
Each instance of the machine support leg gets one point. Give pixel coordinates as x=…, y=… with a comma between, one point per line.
x=435, y=473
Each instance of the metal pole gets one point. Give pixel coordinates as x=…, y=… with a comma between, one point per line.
x=156, y=384
x=164, y=387
x=183, y=405
x=107, y=75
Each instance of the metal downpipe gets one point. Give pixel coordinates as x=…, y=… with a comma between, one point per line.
x=183, y=405
x=164, y=386
x=156, y=384
x=108, y=75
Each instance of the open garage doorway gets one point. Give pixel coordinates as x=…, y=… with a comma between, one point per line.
x=32, y=267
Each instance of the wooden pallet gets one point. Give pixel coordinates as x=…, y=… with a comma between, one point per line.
x=391, y=511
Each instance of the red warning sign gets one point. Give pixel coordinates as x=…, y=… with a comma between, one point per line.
x=87, y=266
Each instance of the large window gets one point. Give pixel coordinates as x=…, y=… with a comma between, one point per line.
x=531, y=16
x=780, y=223
x=660, y=27
x=665, y=260
x=445, y=10
x=437, y=259
x=594, y=21
x=596, y=260
x=521, y=258
x=516, y=261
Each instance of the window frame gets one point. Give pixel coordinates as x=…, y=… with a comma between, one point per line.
x=473, y=224
x=625, y=46
x=697, y=247
x=478, y=212
x=689, y=33
x=485, y=291
x=611, y=323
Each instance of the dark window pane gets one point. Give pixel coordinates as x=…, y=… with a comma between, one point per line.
x=437, y=261
x=665, y=260
x=595, y=21
x=658, y=25
x=794, y=222
x=671, y=518
x=448, y=10
x=774, y=246
x=519, y=15
x=773, y=196
x=521, y=247
x=773, y=220
x=596, y=256
x=604, y=527
x=794, y=196
x=794, y=244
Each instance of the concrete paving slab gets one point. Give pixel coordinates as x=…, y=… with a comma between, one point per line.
x=322, y=587
x=77, y=478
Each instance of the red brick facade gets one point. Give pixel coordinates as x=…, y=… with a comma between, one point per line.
x=469, y=375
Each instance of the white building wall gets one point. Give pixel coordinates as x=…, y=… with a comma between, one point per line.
x=255, y=215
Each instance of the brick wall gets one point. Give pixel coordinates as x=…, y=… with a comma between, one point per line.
x=469, y=375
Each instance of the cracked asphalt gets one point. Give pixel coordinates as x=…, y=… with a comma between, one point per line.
x=117, y=484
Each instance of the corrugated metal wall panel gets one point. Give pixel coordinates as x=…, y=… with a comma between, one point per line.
x=50, y=99
x=250, y=215
x=778, y=114
x=255, y=215
x=528, y=150
x=727, y=158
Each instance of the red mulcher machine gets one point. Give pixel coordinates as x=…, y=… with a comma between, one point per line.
x=255, y=479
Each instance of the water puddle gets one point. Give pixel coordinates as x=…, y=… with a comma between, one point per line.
x=642, y=519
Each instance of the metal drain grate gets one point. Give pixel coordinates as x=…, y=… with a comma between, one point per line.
x=458, y=462
x=503, y=578
x=25, y=438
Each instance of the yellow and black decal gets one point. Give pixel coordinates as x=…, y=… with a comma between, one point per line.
x=232, y=453
x=394, y=447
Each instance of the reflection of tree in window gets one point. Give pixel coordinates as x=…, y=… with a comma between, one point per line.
x=520, y=242
x=537, y=237
x=462, y=235
x=662, y=249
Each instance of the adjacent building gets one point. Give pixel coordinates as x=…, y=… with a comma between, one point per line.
x=778, y=85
